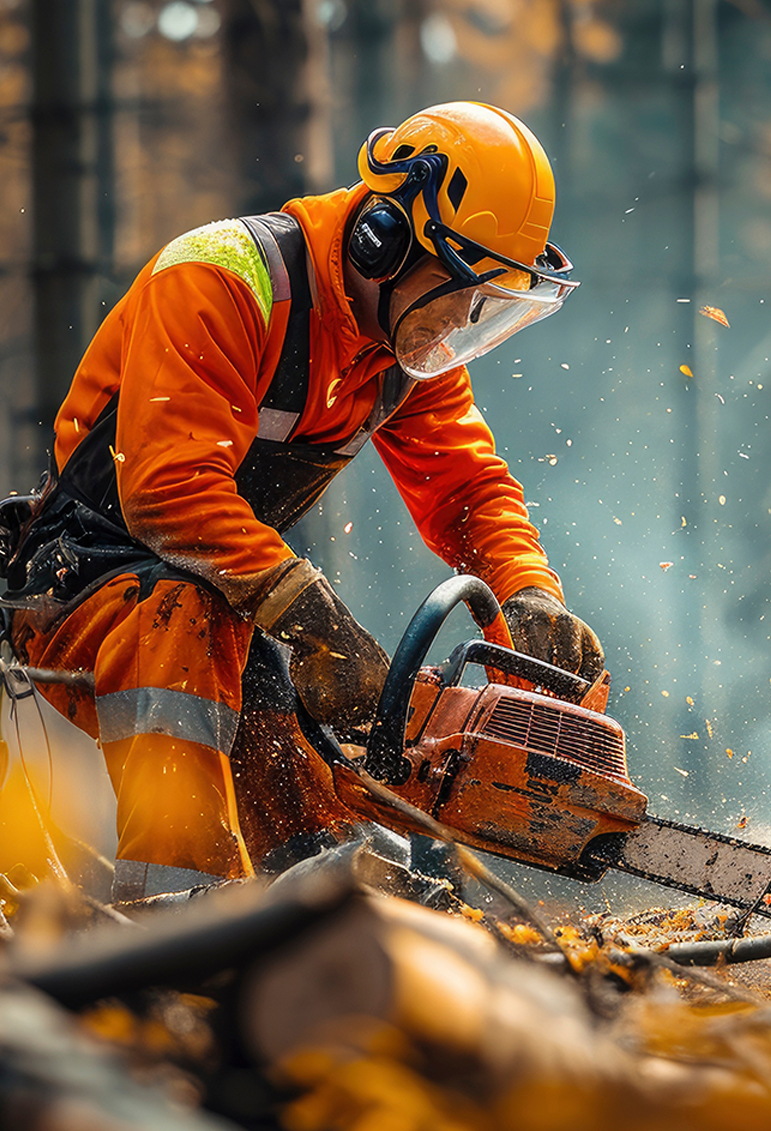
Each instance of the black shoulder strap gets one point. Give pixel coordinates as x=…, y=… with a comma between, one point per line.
x=89, y=474
x=281, y=242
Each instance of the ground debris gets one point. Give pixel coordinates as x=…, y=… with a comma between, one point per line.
x=336, y=999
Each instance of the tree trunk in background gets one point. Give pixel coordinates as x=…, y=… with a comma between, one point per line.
x=72, y=186
x=276, y=77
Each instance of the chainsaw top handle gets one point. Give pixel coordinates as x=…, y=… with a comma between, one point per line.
x=384, y=758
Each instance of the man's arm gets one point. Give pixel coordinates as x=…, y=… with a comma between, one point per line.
x=468, y=507
x=187, y=416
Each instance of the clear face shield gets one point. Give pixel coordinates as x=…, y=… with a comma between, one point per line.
x=470, y=314
x=454, y=324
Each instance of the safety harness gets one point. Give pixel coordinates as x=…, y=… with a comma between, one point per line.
x=72, y=537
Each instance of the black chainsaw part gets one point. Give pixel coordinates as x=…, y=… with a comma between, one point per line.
x=564, y=684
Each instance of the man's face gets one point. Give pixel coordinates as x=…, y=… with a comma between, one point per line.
x=427, y=274
x=428, y=329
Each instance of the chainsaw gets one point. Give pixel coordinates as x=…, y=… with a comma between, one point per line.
x=528, y=767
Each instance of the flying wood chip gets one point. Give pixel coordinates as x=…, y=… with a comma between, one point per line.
x=716, y=314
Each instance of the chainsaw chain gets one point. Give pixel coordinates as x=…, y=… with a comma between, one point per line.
x=662, y=822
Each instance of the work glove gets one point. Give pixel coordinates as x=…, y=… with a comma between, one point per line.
x=337, y=667
x=541, y=626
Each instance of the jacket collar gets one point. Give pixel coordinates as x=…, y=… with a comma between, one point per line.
x=324, y=220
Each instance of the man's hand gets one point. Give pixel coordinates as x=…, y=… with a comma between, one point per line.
x=337, y=667
x=541, y=626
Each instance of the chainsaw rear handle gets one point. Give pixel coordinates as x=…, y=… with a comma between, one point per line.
x=384, y=759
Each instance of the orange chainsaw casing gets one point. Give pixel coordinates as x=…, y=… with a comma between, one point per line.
x=511, y=771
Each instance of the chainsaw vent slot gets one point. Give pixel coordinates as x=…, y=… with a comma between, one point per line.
x=552, y=731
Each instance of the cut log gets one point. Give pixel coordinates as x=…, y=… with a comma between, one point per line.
x=438, y=979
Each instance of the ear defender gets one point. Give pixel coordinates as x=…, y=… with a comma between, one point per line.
x=380, y=240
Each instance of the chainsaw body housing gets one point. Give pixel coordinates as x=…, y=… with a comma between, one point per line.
x=515, y=772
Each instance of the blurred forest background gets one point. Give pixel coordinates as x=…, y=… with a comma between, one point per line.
x=638, y=426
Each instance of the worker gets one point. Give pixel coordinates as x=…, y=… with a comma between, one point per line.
x=248, y=363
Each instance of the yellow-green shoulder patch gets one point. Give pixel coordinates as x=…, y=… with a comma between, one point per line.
x=228, y=244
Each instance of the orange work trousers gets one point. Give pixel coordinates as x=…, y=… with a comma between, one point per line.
x=210, y=784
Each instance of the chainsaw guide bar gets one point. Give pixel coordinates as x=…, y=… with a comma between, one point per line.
x=691, y=860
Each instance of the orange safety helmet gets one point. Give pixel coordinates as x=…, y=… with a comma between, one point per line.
x=472, y=185
x=497, y=186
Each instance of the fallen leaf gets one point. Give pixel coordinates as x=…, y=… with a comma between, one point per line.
x=716, y=314
x=666, y=565
x=729, y=752
x=685, y=369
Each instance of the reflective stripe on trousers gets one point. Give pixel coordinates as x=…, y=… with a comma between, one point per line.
x=136, y=880
x=159, y=710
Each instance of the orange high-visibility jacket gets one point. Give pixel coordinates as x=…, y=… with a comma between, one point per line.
x=191, y=349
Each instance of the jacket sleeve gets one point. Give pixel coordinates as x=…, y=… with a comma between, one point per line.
x=467, y=506
x=186, y=418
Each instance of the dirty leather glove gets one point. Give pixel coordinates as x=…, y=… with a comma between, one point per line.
x=541, y=626
x=337, y=667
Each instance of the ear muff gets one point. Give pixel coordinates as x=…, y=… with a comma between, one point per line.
x=380, y=240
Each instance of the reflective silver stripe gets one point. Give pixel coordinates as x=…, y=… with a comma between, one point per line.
x=356, y=444
x=275, y=424
x=279, y=276
x=134, y=879
x=158, y=710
